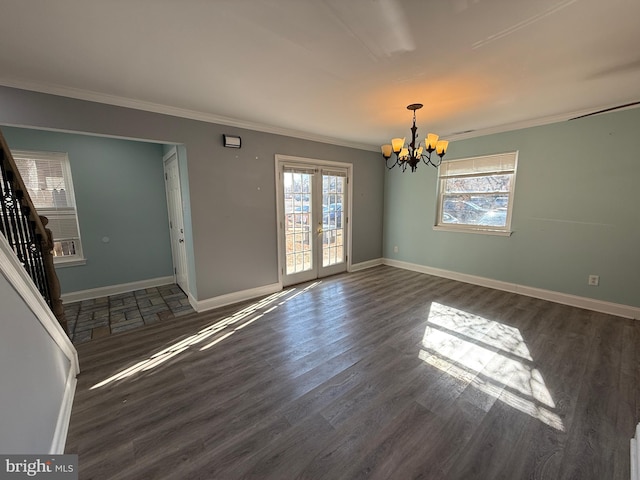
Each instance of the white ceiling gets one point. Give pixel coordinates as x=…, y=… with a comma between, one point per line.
x=340, y=70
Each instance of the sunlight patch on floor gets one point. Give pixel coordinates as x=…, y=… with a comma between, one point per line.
x=171, y=351
x=490, y=356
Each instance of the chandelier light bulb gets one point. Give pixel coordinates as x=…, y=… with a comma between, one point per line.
x=441, y=147
x=432, y=140
x=397, y=144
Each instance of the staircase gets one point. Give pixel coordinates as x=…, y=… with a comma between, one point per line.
x=26, y=233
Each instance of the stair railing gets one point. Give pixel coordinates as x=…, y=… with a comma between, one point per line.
x=26, y=232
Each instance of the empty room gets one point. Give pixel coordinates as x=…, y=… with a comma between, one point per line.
x=380, y=239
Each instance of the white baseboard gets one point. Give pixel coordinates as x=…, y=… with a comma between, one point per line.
x=601, y=306
x=364, y=265
x=115, y=289
x=64, y=416
x=192, y=301
x=234, y=297
x=634, y=454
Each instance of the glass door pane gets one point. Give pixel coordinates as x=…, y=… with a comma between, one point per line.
x=333, y=218
x=298, y=208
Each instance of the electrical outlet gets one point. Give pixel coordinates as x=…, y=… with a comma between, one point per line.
x=594, y=280
x=395, y=249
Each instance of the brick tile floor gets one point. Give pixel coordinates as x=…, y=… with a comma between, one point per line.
x=100, y=317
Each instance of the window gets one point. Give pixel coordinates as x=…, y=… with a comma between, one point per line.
x=476, y=194
x=47, y=176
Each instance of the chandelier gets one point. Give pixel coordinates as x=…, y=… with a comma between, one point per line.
x=412, y=154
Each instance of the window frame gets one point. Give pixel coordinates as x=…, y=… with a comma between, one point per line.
x=52, y=213
x=470, y=228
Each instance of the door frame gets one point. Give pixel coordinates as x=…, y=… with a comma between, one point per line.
x=279, y=161
x=165, y=159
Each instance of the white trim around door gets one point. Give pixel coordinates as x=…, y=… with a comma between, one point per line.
x=318, y=221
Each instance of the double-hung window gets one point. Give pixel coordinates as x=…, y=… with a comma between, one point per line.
x=476, y=194
x=47, y=176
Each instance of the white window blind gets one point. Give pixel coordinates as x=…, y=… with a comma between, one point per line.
x=47, y=176
x=334, y=173
x=486, y=165
x=303, y=169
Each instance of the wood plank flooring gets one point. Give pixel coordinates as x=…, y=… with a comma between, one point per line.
x=383, y=374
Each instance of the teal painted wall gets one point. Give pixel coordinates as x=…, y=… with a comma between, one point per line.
x=119, y=188
x=575, y=212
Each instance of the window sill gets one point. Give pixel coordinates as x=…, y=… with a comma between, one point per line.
x=482, y=231
x=69, y=263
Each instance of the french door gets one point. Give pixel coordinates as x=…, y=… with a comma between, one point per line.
x=313, y=206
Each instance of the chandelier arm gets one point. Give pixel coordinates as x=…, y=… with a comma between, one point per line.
x=386, y=161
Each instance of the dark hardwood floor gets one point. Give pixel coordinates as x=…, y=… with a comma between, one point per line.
x=383, y=373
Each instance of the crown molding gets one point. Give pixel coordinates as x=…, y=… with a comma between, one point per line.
x=108, y=99
x=115, y=100
x=534, y=122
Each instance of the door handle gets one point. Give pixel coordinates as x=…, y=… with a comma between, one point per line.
x=181, y=240
x=320, y=230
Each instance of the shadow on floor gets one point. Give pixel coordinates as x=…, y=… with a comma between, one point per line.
x=100, y=317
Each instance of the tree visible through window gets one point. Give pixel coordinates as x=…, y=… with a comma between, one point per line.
x=477, y=193
x=47, y=177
